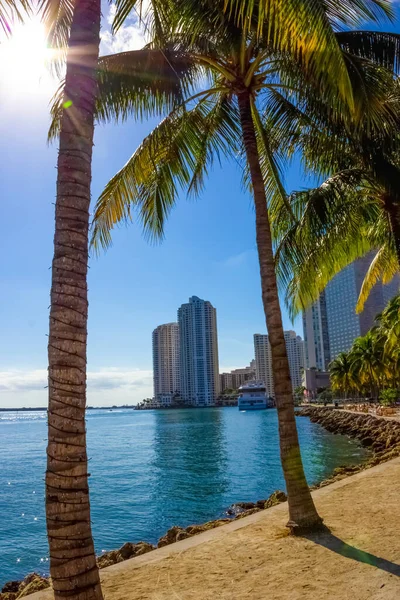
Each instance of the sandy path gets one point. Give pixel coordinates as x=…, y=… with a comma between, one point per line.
x=254, y=558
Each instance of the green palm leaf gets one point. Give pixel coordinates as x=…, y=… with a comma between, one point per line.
x=143, y=83
x=174, y=157
x=383, y=268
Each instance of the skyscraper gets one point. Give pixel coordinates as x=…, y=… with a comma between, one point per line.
x=199, y=371
x=166, y=359
x=331, y=324
x=295, y=352
x=316, y=338
x=342, y=292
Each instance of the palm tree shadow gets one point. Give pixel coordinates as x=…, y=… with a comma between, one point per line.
x=335, y=544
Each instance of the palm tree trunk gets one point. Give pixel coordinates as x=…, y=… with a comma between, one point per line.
x=73, y=566
x=302, y=513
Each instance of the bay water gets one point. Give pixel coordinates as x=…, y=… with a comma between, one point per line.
x=151, y=470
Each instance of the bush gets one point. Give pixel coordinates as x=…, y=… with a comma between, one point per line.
x=388, y=397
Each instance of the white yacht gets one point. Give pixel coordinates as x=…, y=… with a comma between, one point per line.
x=252, y=396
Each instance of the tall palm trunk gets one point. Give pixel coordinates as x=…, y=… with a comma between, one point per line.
x=302, y=513
x=73, y=566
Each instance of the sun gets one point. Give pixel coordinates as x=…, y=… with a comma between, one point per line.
x=24, y=59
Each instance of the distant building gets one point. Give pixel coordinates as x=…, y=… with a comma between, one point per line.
x=316, y=338
x=166, y=364
x=264, y=371
x=226, y=382
x=199, y=372
x=237, y=377
x=342, y=292
x=315, y=381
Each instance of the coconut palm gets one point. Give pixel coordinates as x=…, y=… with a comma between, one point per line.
x=353, y=211
x=242, y=74
x=73, y=566
x=341, y=373
x=366, y=357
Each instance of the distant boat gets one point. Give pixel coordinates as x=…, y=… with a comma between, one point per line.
x=252, y=396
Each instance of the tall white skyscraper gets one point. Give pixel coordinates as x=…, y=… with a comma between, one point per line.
x=263, y=357
x=166, y=364
x=199, y=380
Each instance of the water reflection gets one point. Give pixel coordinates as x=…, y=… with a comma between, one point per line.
x=189, y=465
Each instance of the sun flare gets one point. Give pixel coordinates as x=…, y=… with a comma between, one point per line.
x=24, y=59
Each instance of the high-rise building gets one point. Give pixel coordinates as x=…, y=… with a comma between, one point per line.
x=342, y=292
x=199, y=372
x=316, y=338
x=166, y=364
x=295, y=352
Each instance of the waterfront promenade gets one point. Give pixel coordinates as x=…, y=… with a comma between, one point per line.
x=254, y=558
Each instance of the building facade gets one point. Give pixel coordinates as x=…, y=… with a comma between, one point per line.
x=314, y=381
x=342, y=292
x=331, y=324
x=316, y=339
x=166, y=360
x=237, y=377
x=263, y=358
x=199, y=371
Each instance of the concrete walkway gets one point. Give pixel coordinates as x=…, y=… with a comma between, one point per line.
x=254, y=558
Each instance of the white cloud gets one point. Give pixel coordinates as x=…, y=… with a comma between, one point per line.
x=105, y=386
x=130, y=36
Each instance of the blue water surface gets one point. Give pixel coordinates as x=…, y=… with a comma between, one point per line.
x=151, y=470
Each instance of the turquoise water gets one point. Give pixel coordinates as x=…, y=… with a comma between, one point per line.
x=151, y=470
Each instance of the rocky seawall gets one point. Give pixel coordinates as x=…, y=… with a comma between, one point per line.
x=13, y=590
x=381, y=436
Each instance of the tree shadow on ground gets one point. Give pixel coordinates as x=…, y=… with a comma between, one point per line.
x=331, y=542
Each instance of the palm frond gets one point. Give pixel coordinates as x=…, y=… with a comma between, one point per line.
x=142, y=83
x=383, y=268
x=380, y=47
x=172, y=158
x=330, y=231
x=272, y=170
x=57, y=18
x=11, y=11
x=305, y=30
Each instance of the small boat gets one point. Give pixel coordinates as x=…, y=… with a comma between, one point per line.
x=252, y=396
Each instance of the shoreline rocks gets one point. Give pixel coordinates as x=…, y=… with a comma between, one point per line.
x=381, y=436
x=13, y=590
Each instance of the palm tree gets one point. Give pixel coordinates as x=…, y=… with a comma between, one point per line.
x=73, y=567
x=366, y=358
x=341, y=373
x=356, y=209
x=244, y=71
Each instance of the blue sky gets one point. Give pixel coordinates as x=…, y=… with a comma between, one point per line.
x=209, y=251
